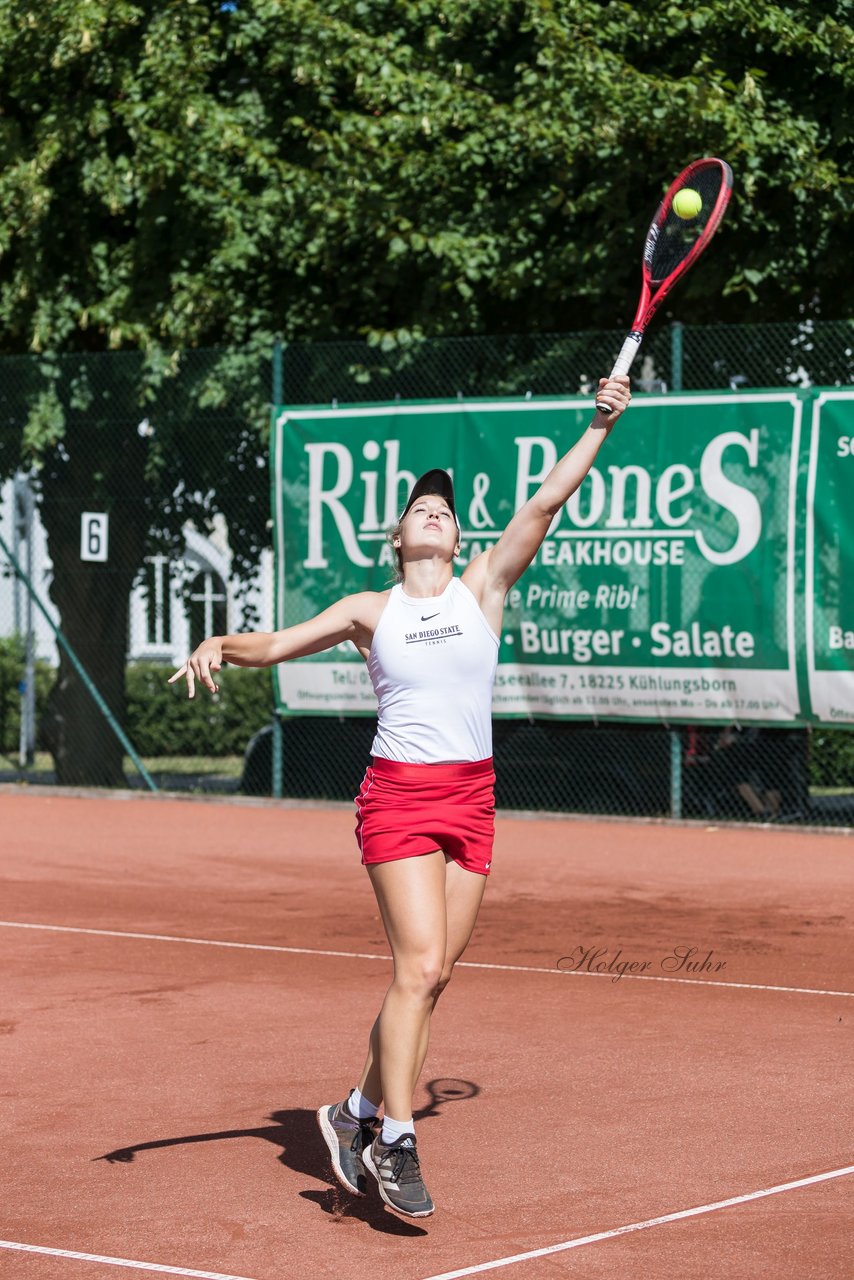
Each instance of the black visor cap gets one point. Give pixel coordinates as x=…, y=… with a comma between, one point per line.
x=436, y=482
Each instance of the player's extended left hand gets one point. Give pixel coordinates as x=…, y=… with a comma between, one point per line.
x=615, y=393
x=200, y=666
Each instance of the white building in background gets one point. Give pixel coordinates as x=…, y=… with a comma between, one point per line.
x=13, y=594
x=174, y=603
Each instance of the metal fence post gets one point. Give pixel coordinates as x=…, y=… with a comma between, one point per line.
x=675, y=773
x=23, y=533
x=278, y=744
x=676, y=356
x=676, y=383
x=278, y=391
x=278, y=372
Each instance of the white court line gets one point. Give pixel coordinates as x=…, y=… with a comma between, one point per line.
x=461, y=964
x=161, y=1268
x=193, y=942
x=644, y=1226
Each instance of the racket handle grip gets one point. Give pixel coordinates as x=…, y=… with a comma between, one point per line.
x=623, y=363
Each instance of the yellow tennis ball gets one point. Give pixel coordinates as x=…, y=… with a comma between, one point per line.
x=687, y=203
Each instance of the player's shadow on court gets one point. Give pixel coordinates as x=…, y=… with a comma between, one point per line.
x=296, y=1133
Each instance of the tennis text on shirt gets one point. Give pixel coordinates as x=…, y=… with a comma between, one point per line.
x=432, y=664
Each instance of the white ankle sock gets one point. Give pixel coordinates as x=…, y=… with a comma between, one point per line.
x=359, y=1106
x=394, y=1129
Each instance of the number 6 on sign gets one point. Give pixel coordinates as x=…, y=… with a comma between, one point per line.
x=94, y=530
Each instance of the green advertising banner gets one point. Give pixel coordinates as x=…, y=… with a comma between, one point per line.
x=830, y=558
x=669, y=588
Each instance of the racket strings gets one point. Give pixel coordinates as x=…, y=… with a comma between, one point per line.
x=672, y=238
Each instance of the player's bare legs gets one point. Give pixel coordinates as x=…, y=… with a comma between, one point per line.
x=429, y=910
x=411, y=896
x=429, y=907
x=463, y=894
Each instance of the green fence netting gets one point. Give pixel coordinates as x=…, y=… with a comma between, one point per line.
x=164, y=456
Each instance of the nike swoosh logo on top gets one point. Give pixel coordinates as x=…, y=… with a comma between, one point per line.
x=429, y=616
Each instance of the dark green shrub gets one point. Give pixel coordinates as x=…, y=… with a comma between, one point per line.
x=163, y=721
x=832, y=758
x=12, y=658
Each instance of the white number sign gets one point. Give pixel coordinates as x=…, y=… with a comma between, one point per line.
x=94, y=531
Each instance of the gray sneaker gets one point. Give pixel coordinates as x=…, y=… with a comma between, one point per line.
x=346, y=1137
x=398, y=1174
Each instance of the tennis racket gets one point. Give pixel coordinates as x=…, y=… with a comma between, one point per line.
x=677, y=236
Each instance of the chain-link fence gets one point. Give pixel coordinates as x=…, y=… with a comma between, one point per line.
x=134, y=518
x=678, y=357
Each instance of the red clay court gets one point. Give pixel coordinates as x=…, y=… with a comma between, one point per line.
x=186, y=982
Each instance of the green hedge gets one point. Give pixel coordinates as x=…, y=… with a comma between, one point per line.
x=832, y=758
x=163, y=721
x=12, y=658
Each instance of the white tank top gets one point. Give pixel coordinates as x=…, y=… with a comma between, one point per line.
x=432, y=664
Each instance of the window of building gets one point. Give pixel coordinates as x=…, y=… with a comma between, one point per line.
x=155, y=583
x=208, y=607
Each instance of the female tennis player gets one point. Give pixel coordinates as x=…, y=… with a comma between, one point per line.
x=425, y=811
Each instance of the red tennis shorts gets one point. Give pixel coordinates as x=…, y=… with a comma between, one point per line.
x=405, y=810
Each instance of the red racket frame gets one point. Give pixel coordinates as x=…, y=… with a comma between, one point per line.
x=652, y=295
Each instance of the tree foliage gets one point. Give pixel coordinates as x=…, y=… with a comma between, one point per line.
x=189, y=172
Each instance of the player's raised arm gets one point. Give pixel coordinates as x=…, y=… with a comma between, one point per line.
x=348, y=619
x=493, y=573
